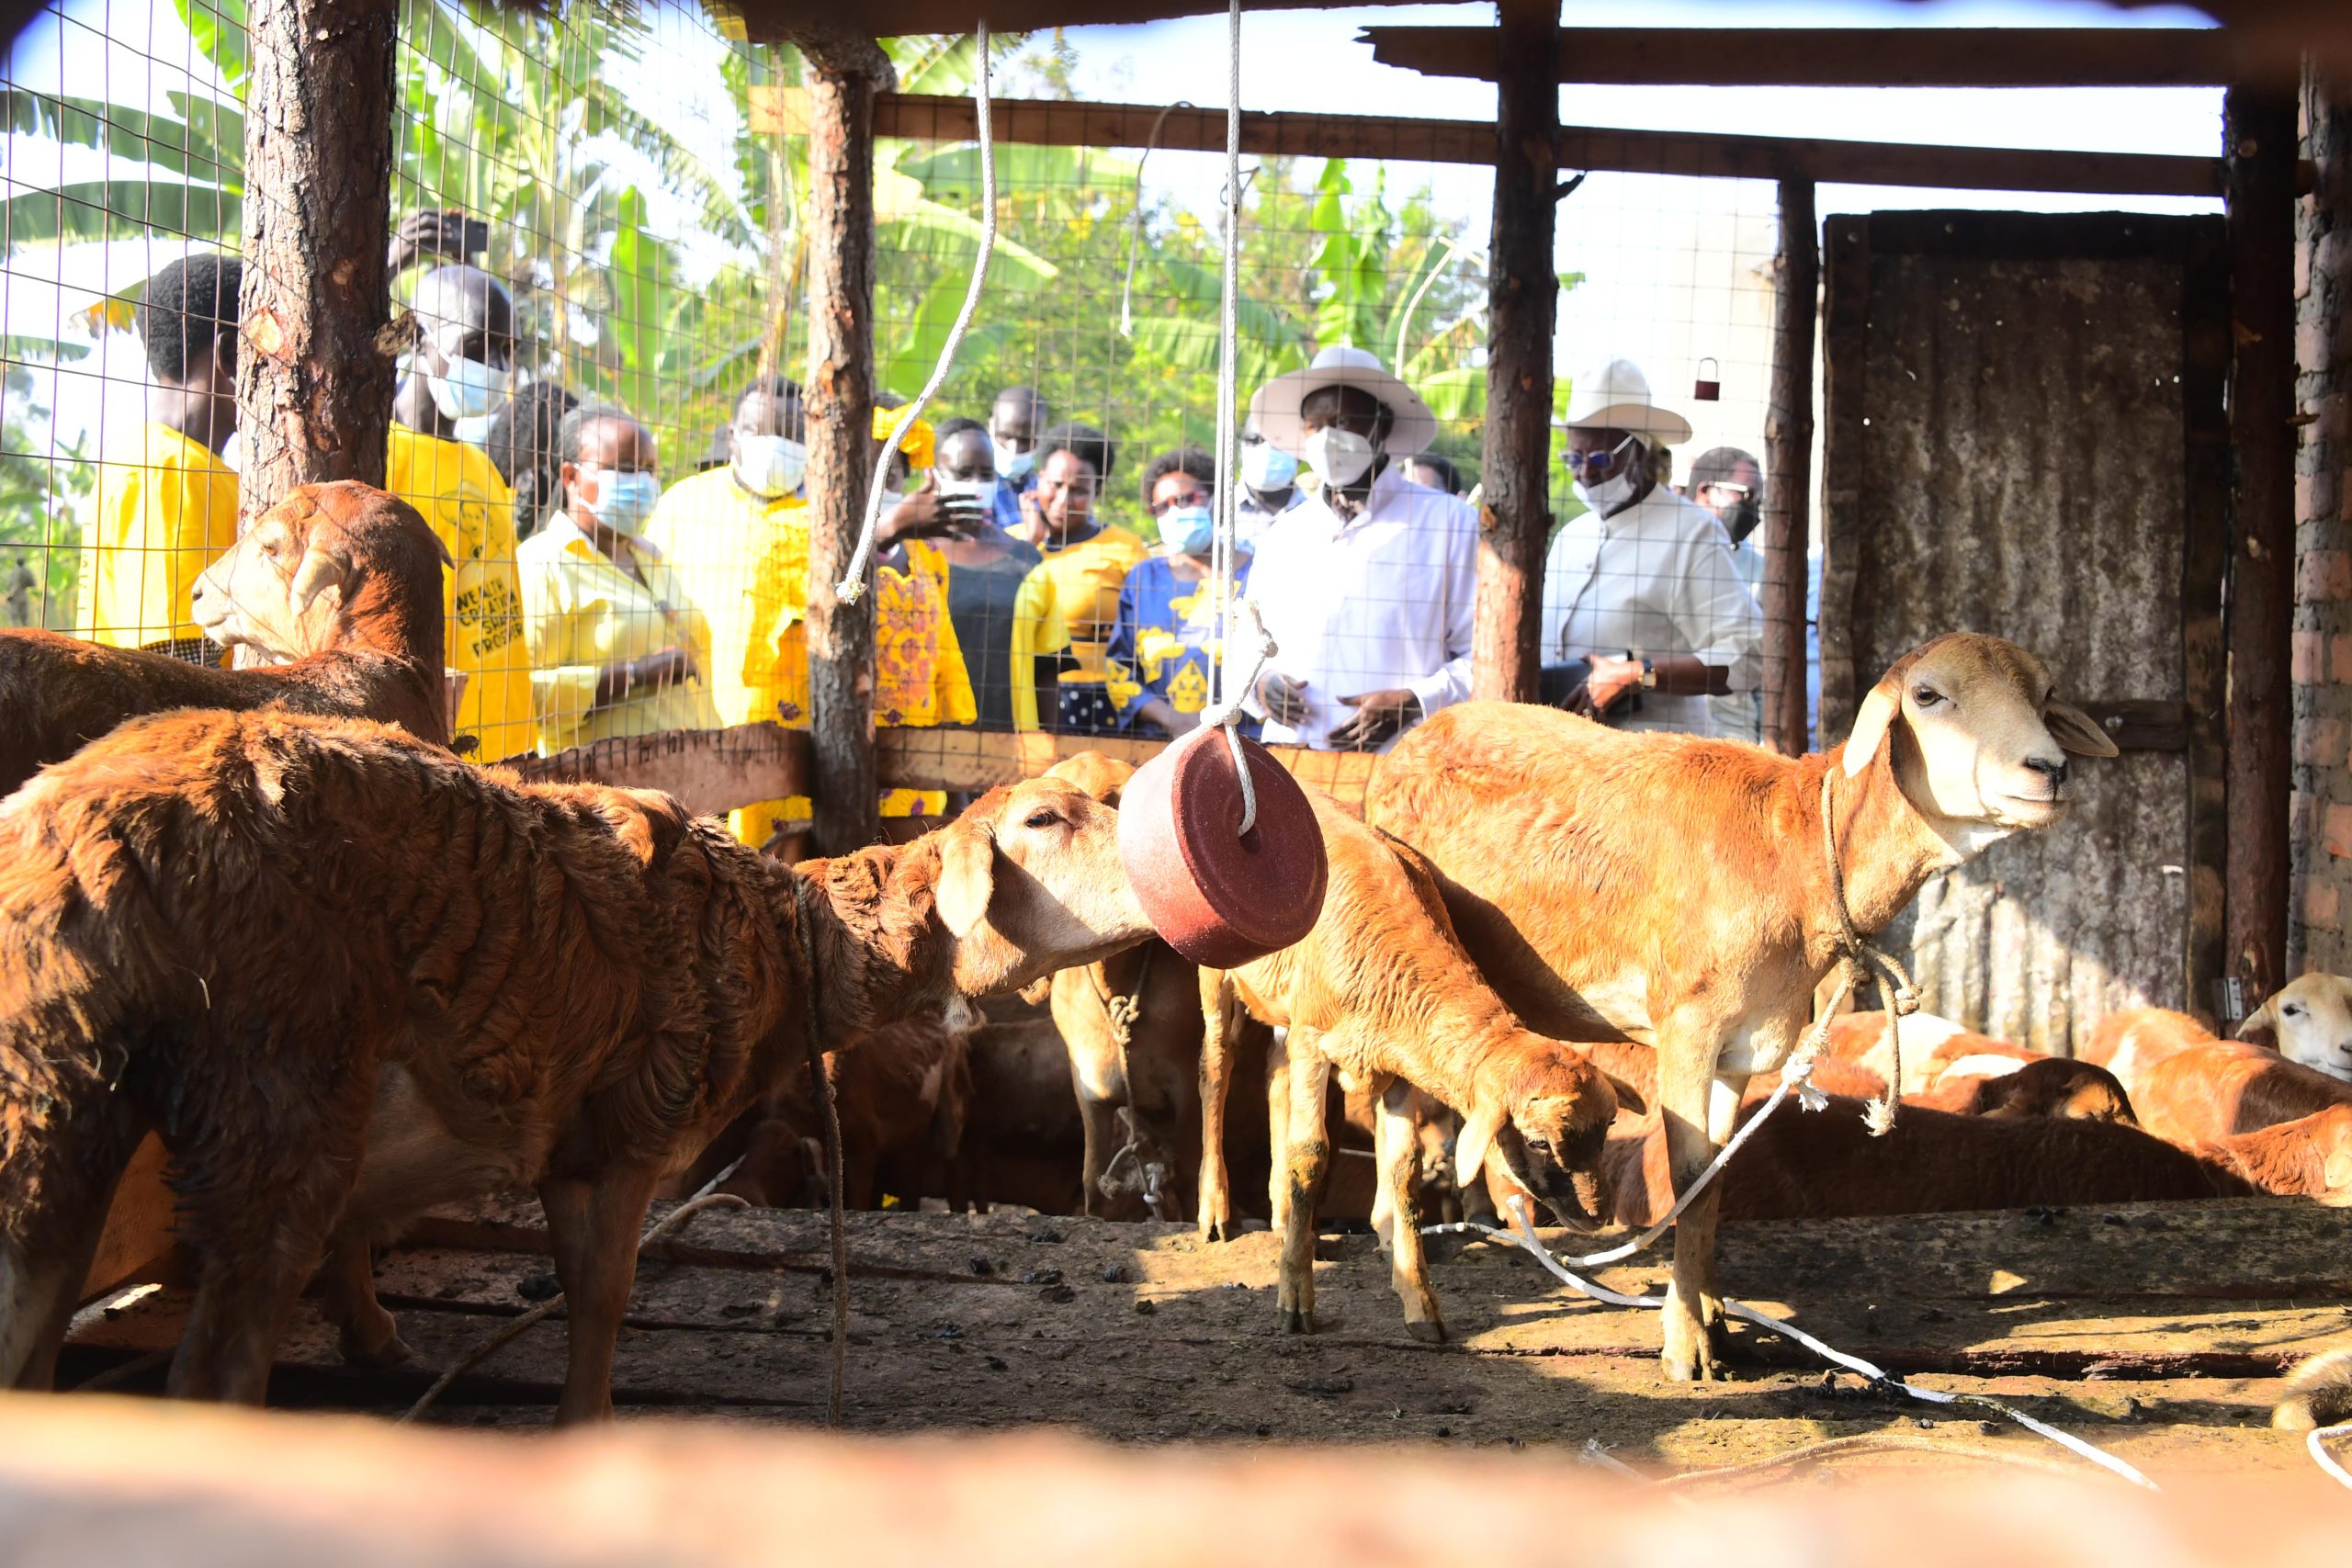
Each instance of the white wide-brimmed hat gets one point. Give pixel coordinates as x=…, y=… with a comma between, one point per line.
x=1616, y=396
x=1275, y=410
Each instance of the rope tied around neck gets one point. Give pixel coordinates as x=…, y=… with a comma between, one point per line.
x=1862, y=963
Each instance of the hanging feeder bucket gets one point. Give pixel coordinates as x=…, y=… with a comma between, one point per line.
x=1218, y=896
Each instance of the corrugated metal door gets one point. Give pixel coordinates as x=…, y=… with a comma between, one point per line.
x=2025, y=436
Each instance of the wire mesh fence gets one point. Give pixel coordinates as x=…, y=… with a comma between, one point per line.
x=599, y=229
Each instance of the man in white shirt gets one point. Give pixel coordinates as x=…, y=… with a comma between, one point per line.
x=1642, y=585
x=1730, y=483
x=1370, y=587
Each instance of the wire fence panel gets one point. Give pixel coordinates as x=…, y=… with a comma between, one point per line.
x=597, y=229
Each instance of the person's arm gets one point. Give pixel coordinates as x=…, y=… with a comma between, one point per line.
x=1449, y=683
x=1035, y=622
x=1722, y=628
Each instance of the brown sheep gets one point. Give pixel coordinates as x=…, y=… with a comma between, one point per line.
x=2308, y=1158
x=344, y=576
x=2128, y=1042
x=902, y=1094
x=1675, y=891
x=2203, y=1093
x=285, y=942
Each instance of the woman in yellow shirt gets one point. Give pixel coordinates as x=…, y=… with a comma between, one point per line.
x=1067, y=604
x=617, y=647
x=167, y=504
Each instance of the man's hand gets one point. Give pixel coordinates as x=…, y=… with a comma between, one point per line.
x=1283, y=698
x=1379, y=717
x=1163, y=713
x=927, y=515
x=446, y=233
x=1608, y=685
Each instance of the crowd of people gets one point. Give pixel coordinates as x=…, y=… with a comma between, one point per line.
x=592, y=600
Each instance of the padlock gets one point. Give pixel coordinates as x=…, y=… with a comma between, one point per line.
x=1709, y=388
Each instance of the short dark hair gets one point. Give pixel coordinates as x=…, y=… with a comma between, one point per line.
x=1083, y=442
x=1718, y=465
x=956, y=426
x=1028, y=395
x=1182, y=459
x=1449, y=477
x=522, y=444
x=188, y=308
x=781, y=387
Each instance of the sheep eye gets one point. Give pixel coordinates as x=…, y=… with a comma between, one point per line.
x=1540, y=1146
x=2292, y=1012
x=1926, y=696
x=1041, y=818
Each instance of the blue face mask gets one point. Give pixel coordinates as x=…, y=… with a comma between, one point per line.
x=1192, y=529
x=1267, y=468
x=623, y=500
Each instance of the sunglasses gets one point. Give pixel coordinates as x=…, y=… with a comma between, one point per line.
x=1192, y=498
x=1596, y=465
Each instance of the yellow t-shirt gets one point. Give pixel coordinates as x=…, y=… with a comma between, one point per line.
x=167, y=506
x=457, y=490
x=1069, y=600
x=581, y=612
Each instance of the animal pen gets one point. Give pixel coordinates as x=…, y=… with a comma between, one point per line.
x=2114, y=437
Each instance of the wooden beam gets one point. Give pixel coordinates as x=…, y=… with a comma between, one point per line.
x=2260, y=130
x=315, y=396
x=1838, y=57
x=779, y=21
x=1788, y=471
x=1522, y=295
x=974, y=760
x=711, y=771
x=845, y=75
x=923, y=117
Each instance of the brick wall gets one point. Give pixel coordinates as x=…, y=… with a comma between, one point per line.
x=2320, y=929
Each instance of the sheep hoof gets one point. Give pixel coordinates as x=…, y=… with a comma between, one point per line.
x=1428, y=1331
x=392, y=1352
x=1296, y=1320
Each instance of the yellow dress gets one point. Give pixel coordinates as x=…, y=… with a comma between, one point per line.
x=468, y=506
x=581, y=612
x=1069, y=600
x=167, y=506
x=718, y=538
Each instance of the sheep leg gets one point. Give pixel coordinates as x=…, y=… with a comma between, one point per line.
x=253, y=1273
x=1686, y=1086
x=594, y=1223
x=1216, y=1080
x=1278, y=1128
x=1395, y=1130
x=36, y=1297
x=1095, y=1116
x=1309, y=1153
x=367, y=1335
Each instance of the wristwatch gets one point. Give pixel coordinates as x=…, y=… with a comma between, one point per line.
x=1649, y=670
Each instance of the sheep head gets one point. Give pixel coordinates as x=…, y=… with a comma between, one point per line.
x=1977, y=737
x=1100, y=776
x=2059, y=1087
x=2309, y=1018
x=1543, y=1111
x=1030, y=881
x=294, y=581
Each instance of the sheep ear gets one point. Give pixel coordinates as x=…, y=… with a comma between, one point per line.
x=2075, y=731
x=2263, y=1020
x=966, y=876
x=2336, y=1177
x=321, y=569
x=1880, y=709
x=1470, y=1146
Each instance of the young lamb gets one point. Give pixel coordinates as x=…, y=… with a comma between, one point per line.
x=1381, y=990
x=2055, y=1087
x=2201, y=1094
x=342, y=578
x=2129, y=1043
x=1932, y=1048
x=1675, y=891
x=347, y=977
x=2308, y=1158
x=2311, y=1019
x=902, y=1094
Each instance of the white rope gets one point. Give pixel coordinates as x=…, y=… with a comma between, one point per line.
x=1134, y=225
x=852, y=584
x=2317, y=1443
x=1524, y=1237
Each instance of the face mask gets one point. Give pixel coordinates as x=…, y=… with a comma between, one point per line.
x=1741, y=519
x=1010, y=466
x=623, y=500
x=1191, y=529
x=980, y=490
x=1342, y=457
x=473, y=430
x=1267, y=468
x=467, y=388
x=1611, y=494
x=770, y=465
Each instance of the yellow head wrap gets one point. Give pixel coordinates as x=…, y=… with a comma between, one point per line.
x=921, y=440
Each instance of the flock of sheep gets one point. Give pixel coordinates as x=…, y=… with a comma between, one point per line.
x=346, y=977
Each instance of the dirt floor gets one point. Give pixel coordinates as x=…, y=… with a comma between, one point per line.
x=2155, y=1331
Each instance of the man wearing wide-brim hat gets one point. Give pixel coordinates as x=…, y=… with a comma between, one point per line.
x=1643, y=584
x=1369, y=588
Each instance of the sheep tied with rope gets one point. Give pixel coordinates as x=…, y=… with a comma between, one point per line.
x=346, y=977
x=1688, y=894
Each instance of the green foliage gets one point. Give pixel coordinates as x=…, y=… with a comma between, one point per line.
x=42, y=499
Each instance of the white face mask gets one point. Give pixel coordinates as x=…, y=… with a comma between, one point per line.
x=1010, y=466
x=1613, y=494
x=623, y=501
x=233, y=452
x=473, y=430
x=981, y=491
x=465, y=389
x=1342, y=457
x=770, y=465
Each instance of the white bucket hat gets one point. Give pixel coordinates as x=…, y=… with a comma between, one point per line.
x=1274, y=411
x=1616, y=396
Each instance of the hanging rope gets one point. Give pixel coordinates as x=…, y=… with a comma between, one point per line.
x=852, y=584
x=1135, y=224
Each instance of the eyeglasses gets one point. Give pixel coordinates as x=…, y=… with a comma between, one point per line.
x=1590, y=465
x=1741, y=491
x=1189, y=497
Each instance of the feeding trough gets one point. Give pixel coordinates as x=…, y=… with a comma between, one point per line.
x=1218, y=895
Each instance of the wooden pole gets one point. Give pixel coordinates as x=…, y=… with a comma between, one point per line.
x=2260, y=129
x=1788, y=472
x=1513, y=520
x=845, y=71
x=315, y=396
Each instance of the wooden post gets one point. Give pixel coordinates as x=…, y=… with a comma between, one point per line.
x=2259, y=126
x=1788, y=472
x=316, y=394
x=845, y=71
x=1522, y=294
